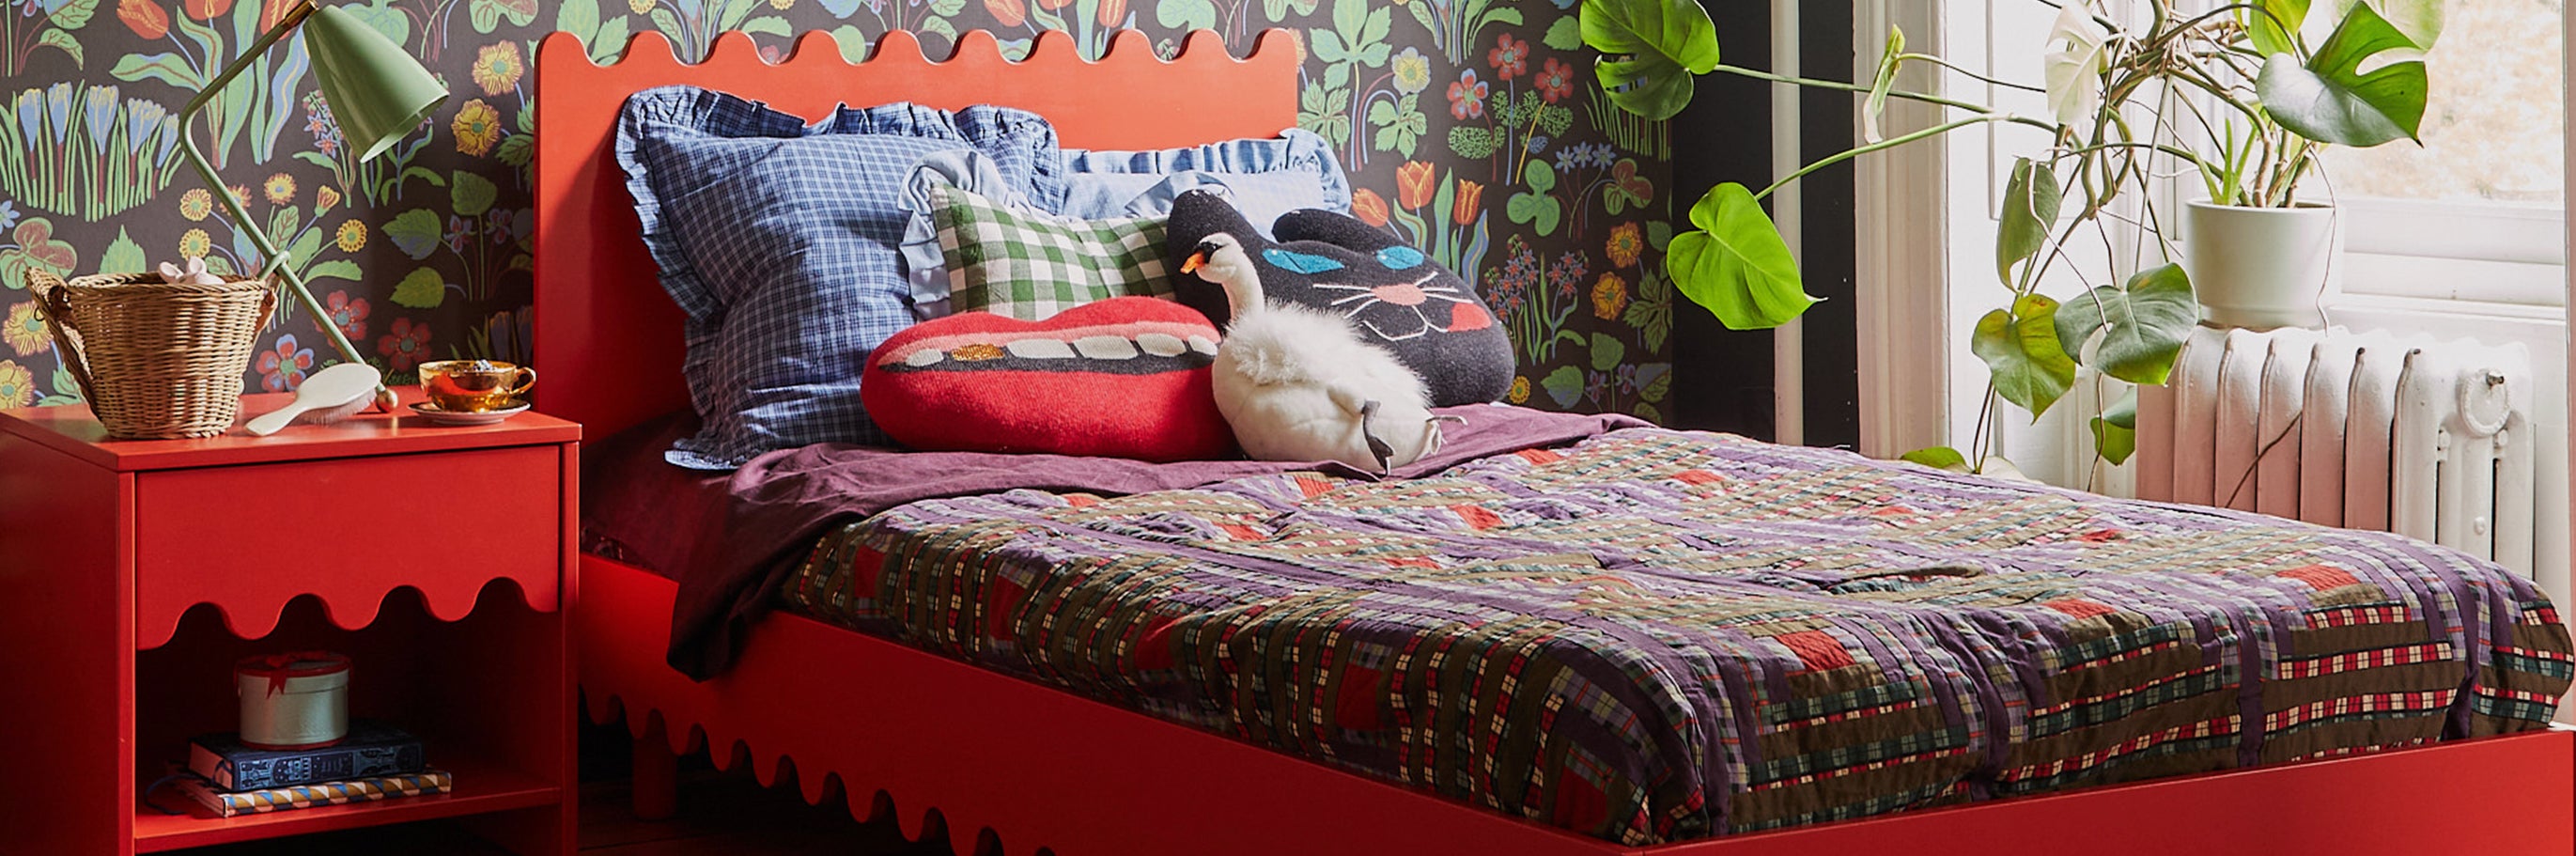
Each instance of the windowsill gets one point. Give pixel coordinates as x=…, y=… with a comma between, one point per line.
x=2443, y=280
x=2413, y=305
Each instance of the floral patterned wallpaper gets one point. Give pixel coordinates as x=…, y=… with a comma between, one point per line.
x=1472, y=127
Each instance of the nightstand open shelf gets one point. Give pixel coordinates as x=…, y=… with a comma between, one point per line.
x=460, y=686
x=440, y=560
x=481, y=788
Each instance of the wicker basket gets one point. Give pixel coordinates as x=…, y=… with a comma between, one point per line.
x=156, y=360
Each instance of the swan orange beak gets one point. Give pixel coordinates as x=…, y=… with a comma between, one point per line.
x=1194, y=262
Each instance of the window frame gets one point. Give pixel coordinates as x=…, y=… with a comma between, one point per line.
x=2509, y=253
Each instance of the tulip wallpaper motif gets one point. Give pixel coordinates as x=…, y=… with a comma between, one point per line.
x=1472, y=127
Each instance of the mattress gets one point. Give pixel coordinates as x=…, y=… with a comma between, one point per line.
x=1655, y=635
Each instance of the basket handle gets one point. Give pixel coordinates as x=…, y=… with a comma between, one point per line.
x=57, y=311
x=268, y=302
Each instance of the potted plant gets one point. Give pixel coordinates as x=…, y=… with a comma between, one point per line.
x=2260, y=254
x=2239, y=95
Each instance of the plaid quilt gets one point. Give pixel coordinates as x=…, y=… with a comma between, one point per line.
x=1031, y=266
x=1655, y=635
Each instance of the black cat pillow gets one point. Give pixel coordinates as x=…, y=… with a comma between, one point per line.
x=1391, y=293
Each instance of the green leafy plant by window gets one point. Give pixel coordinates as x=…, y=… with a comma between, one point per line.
x=2239, y=95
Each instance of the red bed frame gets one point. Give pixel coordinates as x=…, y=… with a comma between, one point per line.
x=1008, y=762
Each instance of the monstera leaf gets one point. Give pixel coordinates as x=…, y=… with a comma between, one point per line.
x=2330, y=100
x=2273, y=25
x=1938, y=457
x=2019, y=345
x=2115, y=432
x=1884, y=82
x=2031, y=200
x=2420, y=20
x=1650, y=49
x=1736, y=264
x=2143, y=323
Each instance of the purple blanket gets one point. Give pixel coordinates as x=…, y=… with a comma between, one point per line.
x=732, y=542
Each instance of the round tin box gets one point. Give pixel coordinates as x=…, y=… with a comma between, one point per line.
x=293, y=701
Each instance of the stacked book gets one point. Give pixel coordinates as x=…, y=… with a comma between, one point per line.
x=375, y=762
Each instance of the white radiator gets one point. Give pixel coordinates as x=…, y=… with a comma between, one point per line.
x=2427, y=439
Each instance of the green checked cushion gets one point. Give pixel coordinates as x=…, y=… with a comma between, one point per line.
x=1031, y=266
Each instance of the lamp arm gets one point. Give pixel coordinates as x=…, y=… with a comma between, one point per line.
x=277, y=264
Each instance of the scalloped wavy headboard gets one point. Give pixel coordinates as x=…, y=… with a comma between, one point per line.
x=608, y=339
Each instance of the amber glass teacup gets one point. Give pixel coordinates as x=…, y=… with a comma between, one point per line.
x=475, y=386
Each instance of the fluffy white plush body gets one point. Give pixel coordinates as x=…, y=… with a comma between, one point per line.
x=1298, y=384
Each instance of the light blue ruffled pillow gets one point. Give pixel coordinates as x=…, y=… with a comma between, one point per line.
x=925, y=264
x=778, y=239
x=1263, y=178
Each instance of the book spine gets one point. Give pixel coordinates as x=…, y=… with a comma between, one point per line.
x=317, y=794
x=250, y=771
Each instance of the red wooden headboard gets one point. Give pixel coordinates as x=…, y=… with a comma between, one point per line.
x=608, y=338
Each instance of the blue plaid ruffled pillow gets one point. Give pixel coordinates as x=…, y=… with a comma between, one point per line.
x=1263, y=178
x=778, y=239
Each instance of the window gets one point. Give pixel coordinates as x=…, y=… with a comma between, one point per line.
x=2493, y=131
x=2462, y=237
x=2476, y=213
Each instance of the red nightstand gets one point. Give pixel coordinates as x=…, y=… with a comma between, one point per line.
x=133, y=573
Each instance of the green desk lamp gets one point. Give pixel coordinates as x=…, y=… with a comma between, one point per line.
x=377, y=93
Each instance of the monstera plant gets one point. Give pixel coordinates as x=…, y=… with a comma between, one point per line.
x=2243, y=95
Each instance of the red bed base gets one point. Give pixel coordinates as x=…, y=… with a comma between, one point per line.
x=1036, y=766
x=1043, y=767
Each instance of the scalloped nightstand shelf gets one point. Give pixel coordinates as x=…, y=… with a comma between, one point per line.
x=133, y=572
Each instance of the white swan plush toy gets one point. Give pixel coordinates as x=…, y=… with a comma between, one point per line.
x=1298, y=384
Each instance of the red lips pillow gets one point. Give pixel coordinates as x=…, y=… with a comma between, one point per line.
x=1125, y=377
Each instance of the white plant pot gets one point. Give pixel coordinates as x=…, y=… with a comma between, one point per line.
x=2262, y=268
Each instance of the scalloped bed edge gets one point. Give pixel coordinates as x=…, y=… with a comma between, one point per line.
x=1049, y=46
x=817, y=790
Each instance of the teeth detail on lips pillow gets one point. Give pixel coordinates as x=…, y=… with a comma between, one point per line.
x=1394, y=295
x=1126, y=377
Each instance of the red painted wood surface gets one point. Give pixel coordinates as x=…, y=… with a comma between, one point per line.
x=1042, y=767
x=74, y=431
x=444, y=524
x=469, y=650
x=654, y=786
x=67, y=630
x=608, y=338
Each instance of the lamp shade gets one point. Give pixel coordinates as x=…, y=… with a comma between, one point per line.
x=377, y=92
